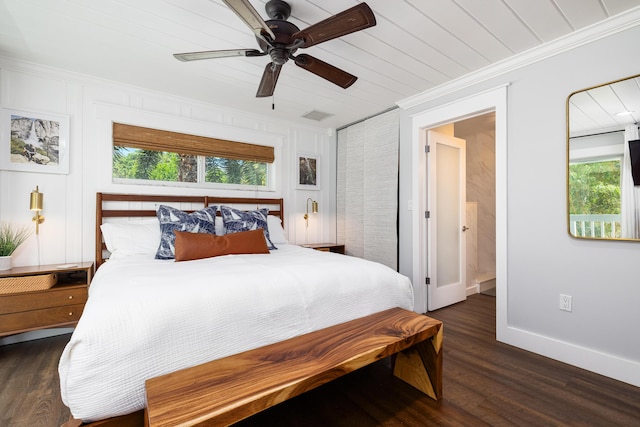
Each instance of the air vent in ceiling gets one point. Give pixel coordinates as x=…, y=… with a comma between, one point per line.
x=317, y=115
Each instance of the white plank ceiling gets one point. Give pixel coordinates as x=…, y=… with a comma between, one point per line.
x=415, y=46
x=605, y=108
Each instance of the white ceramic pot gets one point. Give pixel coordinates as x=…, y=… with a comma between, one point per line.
x=5, y=262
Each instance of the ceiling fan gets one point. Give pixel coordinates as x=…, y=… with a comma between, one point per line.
x=280, y=39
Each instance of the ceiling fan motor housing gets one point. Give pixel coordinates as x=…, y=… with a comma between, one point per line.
x=283, y=30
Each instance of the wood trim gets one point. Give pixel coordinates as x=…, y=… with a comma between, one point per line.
x=162, y=140
x=99, y=245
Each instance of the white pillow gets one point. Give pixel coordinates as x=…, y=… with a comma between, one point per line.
x=132, y=237
x=276, y=232
x=219, y=226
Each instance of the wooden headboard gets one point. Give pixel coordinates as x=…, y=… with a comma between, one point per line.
x=137, y=206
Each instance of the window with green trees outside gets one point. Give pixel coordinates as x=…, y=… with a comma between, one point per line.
x=162, y=166
x=594, y=198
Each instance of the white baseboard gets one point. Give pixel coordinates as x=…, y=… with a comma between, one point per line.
x=483, y=282
x=486, y=285
x=611, y=366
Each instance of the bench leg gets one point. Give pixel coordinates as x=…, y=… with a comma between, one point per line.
x=421, y=366
x=134, y=419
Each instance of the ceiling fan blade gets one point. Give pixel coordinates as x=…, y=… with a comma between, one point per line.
x=326, y=71
x=212, y=54
x=269, y=80
x=349, y=21
x=250, y=16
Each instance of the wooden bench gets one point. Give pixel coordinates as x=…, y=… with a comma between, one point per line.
x=228, y=390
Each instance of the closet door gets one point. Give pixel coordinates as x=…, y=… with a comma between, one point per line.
x=367, y=189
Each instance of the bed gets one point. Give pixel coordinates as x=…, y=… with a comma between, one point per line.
x=146, y=317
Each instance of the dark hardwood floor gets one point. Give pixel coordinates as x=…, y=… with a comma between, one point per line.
x=29, y=385
x=486, y=383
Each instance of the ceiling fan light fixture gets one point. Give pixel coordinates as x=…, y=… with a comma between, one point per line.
x=316, y=115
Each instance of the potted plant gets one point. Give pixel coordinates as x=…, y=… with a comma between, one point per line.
x=10, y=238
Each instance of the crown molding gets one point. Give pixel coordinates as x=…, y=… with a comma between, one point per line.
x=602, y=29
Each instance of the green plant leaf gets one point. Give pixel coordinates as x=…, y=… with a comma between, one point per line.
x=11, y=237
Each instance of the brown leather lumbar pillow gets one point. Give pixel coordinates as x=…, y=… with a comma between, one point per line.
x=190, y=246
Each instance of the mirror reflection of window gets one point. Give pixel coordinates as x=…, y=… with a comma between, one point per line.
x=603, y=200
x=594, y=208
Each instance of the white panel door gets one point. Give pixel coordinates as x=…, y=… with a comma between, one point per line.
x=446, y=203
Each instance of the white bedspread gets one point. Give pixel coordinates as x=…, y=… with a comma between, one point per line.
x=148, y=317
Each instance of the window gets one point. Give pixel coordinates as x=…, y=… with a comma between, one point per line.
x=231, y=171
x=594, y=198
x=161, y=156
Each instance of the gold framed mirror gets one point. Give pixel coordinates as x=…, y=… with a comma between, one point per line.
x=603, y=158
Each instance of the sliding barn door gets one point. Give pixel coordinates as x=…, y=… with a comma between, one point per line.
x=367, y=188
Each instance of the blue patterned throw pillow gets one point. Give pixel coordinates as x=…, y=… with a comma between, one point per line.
x=172, y=219
x=236, y=220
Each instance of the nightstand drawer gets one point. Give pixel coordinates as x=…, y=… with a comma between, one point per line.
x=54, y=297
x=58, y=306
x=49, y=317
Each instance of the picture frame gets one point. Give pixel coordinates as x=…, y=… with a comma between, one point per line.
x=308, y=175
x=34, y=142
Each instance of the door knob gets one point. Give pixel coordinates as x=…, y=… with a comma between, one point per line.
x=465, y=228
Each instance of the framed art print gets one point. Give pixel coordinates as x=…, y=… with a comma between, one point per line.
x=308, y=168
x=34, y=142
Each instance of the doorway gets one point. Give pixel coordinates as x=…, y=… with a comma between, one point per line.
x=495, y=101
x=479, y=132
x=461, y=205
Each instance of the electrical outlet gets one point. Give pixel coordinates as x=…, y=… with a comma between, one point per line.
x=565, y=302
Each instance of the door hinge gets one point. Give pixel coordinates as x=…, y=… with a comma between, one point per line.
x=427, y=281
x=427, y=148
x=427, y=214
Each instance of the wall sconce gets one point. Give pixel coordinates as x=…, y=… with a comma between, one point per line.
x=314, y=209
x=36, y=206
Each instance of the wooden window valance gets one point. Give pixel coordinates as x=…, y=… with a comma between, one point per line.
x=175, y=142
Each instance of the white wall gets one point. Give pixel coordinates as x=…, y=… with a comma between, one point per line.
x=67, y=234
x=542, y=260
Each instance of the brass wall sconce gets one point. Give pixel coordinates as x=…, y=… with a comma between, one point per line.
x=314, y=209
x=36, y=206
